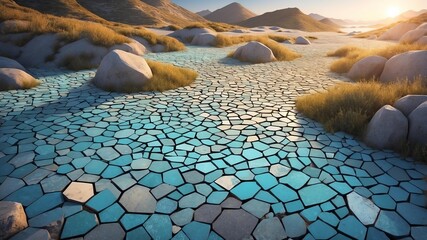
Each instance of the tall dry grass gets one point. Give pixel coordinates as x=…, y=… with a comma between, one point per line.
x=349, y=107
x=226, y=40
x=349, y=55
x=218, y=27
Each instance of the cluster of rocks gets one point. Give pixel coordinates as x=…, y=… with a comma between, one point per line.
x=393, y=69
x=195, y=36
x=407, y=33
x=393, y=126
x=13, y=76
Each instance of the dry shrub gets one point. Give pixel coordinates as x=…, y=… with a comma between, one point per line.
x=167, y=77
x=80, y=62
x=351, y=54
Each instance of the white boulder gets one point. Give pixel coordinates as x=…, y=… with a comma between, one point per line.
x=396, y=32
x=36, y=51
x=367, y=68
x=409, y=65
x=12, y=219
x=83, y=51
x=413, y=35
x=302, y=41
x=187, y=35
x=121, y=71
x=204, y=39
x=13, y=79
x=134, y=47
x=254, y=52
x=10, y=63
x=408, y=103
x=418, y=125
x=387, y=129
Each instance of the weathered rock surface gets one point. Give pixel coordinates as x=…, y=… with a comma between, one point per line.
x=408, y=103
x=367, y=68
x=302, y=41
x=396, y=32
x=187, y=35
x=13, y=79
x=82, y=51
x=37, y=51
x=418, y=125
x=79, y=192
x=254, y=52
x=387, y=129
x=204, y=39
x=121, y=71
x=12, y=219
x=410, y=65
x=10, y=63
x=134, y=47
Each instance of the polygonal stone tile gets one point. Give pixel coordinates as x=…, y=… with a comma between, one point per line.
x=245, y=190
x=235, y=224
x=364, y=209
x=106, y=232
x=193, y=177
x=138, y=199
x=270, y=228
x=227, y=182
x=256, y=208
x=130, y=220
x=111, y=214
x=182, y=217
x=26, y=195
x=159, y=227
x=101, y=200
x=44, y=203
x=278, y=170
x=79, y=224
x=22, y=158
x=9, y=186
x=413, y=214
x=162, y=190
x=266, y=180
x=316, y=194
x=196, y=230
x=79, y=192
x=419, y=232
x=55, y=183
x=295, y=225
x=231, y=202
x=166, y=206
x=207, y=213
x=391, y=223
x=352, y=227
x=321, y=230
x=284, y=193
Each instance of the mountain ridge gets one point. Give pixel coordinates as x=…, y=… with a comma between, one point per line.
x=232, y=13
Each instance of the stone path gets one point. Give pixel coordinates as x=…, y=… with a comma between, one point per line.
x=227, y=157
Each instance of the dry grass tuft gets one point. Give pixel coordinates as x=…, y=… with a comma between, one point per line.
x=281, y=52
x=167, y=77
x=218, y=27
x=226, y=40
x=81, y=62
x=348, y=107
x=351, y=54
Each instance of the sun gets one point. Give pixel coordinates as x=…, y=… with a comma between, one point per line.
x=393, y=11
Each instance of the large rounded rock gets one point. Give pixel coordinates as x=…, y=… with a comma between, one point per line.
x=204, y=39
x=13, y=79
x=10, y=63
x=120, y=71
x=413, y=35
x=12, y=219
x=422, y=41
x=367, y=68
x=302, y=41
x=81, y=54
x=396, y=32
x=409, y=65
x=187, y=35
x=38, y=50
x=254, y=52
x=388, y=129
x=134, y=47
x=408, y=103
x=418, y=125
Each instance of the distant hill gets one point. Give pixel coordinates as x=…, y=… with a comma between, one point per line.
x=411, y=14
x=204, y=13
x=291, y=18
x=231, y=14
x=316, y=16
x=339, y=22
x=62, y=8
x=145, y=12
x=330, y=22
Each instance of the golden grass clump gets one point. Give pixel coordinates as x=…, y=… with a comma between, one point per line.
x=226, y=40
x=167, y=77
x=349, y=107
x=351, y=54
x=218, y=27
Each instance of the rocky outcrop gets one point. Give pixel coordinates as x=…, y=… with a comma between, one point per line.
x=408, y=103
x=418, y=125
x=254, y=52
x=121, y=71
x=367, y=68
x=204, y=39
x=12, y=219
x=14, y=79
x=388, y=129
x=302, y=41
x=396, y=32
x=410, y=65
x=37, y=51
x=187, y=35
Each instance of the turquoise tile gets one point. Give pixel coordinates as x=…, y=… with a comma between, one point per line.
x=245, y=190
x=266, y=180
x=159, y=227
x=130, y=221
x=44, y=203
x=101, y=200
x=197, y=230
x=352, y=227
x=79, y=224
x=321, y=230
x=137, y=234
x=166, y=206
x=316, y=194
x=173, y=177
x=217, y=197
x=311, y=214
x=111, y=214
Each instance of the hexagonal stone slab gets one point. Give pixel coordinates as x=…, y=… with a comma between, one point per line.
x=413, y=214
x=101, y=200
x=138, y=199
x=295, y=225
x=270, y=228
x=390, y=222
x=315, y=194
x=182, y=217
x=278, y=170
x=321, y=230
x=79, y=224
x=364, y=209
x=227, y=182
x=193, y=200
x=235, y=224
x=159, y=227
x=246, y=190
x=196, y=230
x=256, y=208
x=352, y=227
x=106, y=232
x=79, y=192
x=207, y=213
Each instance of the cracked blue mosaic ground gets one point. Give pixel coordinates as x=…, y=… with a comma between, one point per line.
x=227, y=157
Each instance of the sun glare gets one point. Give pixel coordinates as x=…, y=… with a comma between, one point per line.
x=393, y=11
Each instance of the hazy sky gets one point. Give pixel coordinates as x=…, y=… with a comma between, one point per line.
x=344, y=9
